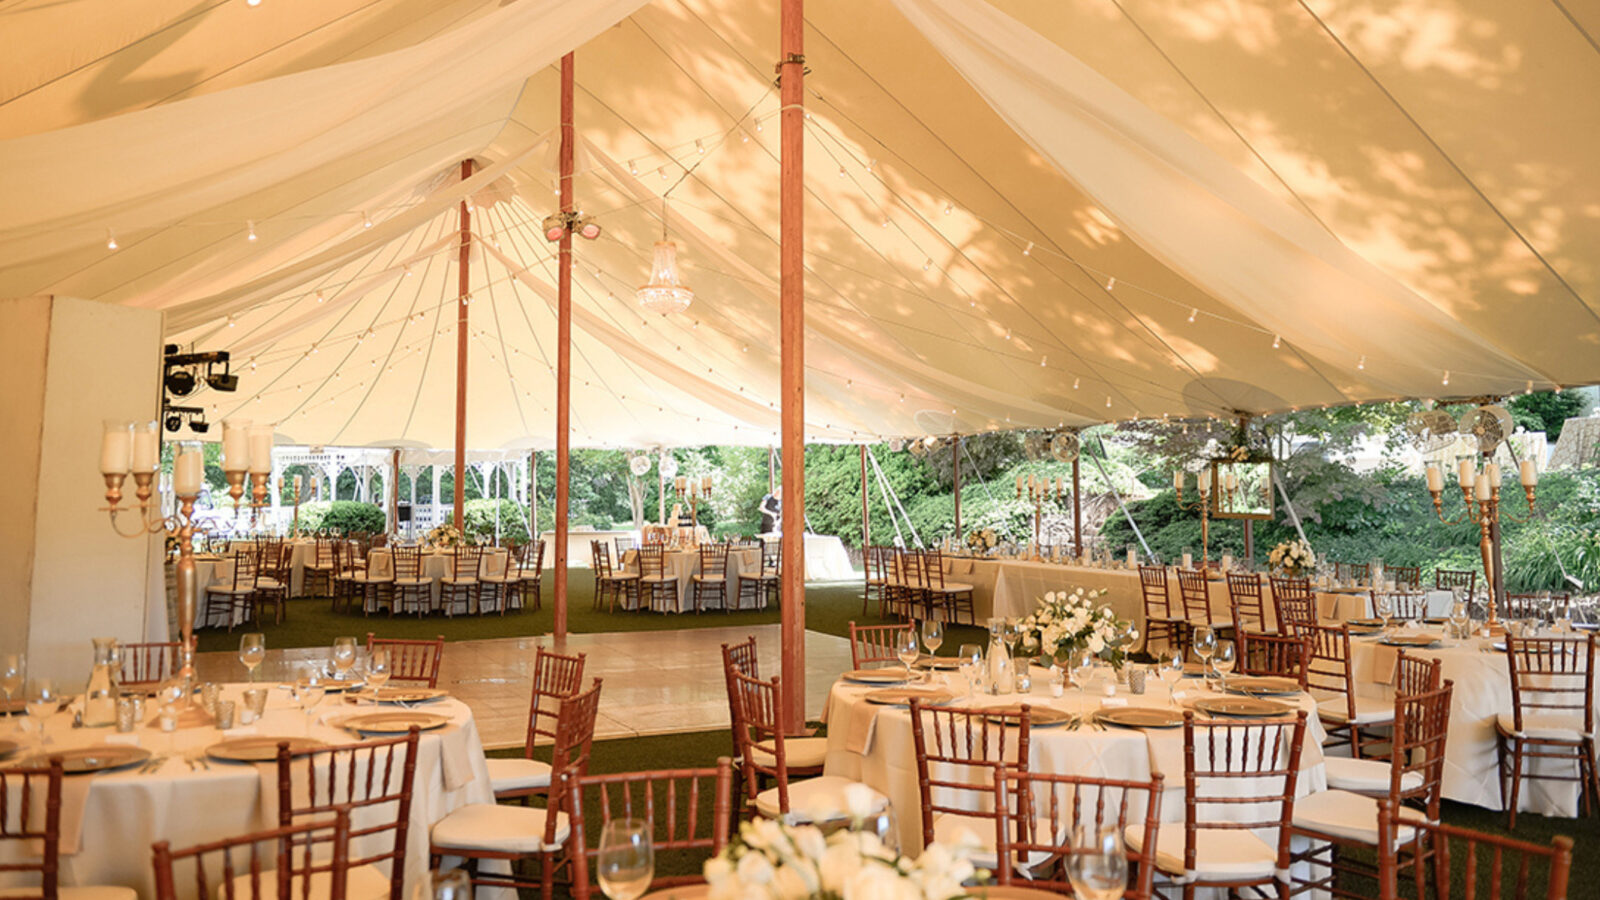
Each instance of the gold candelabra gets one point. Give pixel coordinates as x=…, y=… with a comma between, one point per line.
x=1480, y=503
x=1038, y=490
x=693, y=490
x=1202, y=504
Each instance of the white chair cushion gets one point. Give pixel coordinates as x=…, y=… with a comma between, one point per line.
x=361, y=883
x=709, y=579
x=657, y=579
x=1548, y=726
x=503, y=829
x=85, y=892
x=1219, y=855
x=1369, y=710
x=517, y=774
x=411, y=582
x=1350, y=816
x=1365, y=776
x=812, y=800
x=952, y=587
x=271, y=584
x=799, y=753
x=948, y=828
x=466, y=579
x=497, y=579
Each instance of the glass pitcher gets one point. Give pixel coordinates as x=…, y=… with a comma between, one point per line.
x=100, y=696
x=1002, y=674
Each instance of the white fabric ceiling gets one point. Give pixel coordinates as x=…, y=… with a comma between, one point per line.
x=1386, y=191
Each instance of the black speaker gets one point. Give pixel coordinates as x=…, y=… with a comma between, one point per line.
x=403, y=510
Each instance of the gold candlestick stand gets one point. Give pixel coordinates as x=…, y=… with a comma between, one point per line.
x=1486, y=514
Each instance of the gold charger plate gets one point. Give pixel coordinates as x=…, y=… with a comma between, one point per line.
x=401, y=695
x=876, y=676
x=99, y=758
x=904, y=696
x=394, y=722
x=1139, y=717
x=1409, y=640
x=1246, y=707
x=1038, y=716
x=1366, y=623
x=8, y=747
x=938, y=662
x=335, y=686
x=260, y=749
x=1262, y=684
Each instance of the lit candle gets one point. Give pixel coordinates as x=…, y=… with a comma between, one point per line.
x=116, y=448
x=188, y=471
x=146, y=447
x=297, y=485
x=1435, y=479
x=1493, y=471
x=1233, y=481
x=236, y=445
x=1466, y=472
x=261, y=449
x=1177, y=480
x=1203, y=483
x=705, y=484
x=1481, y=487
x=1019, y=485
x=1530, y=475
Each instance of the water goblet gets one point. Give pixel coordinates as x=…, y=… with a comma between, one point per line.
x=1384, y=606
x=1171, y=672
x=626, y=862
x=1224, y=661
x=932, y=637
x=308, y=692
x=13, y=670
x=43, y=700
x=971, y=656
x=1096, y=864
x=905, y=647
x=1082, y=670
x=378, y=671
x=1205, y=644
x=344, y=656
x=252, y=650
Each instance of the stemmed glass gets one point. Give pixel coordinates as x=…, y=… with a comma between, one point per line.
x=627, y=860
x=1205, y=644
x=13, y=669
x=932, y=638
x=1384, y=605
x=971, y=656
x=344, y=656
x=905, y=647
x=377, y=671
x=1171, y=672
x=1082, y=669
x=1459, y=618
x=1096, y=863
x=1010, y=633
x=252, y=650
x=308, y=692
x=1224, y=661
x=42, y=702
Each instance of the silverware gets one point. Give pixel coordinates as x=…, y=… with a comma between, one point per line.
x=153, y=766
x=190, y=761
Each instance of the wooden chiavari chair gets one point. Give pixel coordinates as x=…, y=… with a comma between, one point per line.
x=497, y=588
x=1347, y=717
x=556, y=676
x=463, y=585
x=1160, y=623
x=1406, y=578
x=1228, y=766
x=1293, y=602
x=494, y=831
x=232, y=600
x=1416, y=674
x=1451, y=579
x=319, y=569
x=804, y=755
x=1280, y=655
x=875, y=643
x=611, y=585
x=959, y=752
x=623, y=544
x=753, y=584
x=372, y=781
x=411, y=662
x=1195, y=592
x=669, y=800
x=951, y=598
x=30, y=836
x=712, y=579
x=764, y=748
x=528, y=592
x=1552, y=716
x=374, y=588
x=412, y=591
x=1246, y=607
x=913, y=584
x=1073, y=801
x=1466, y=863
x=659, y=588
x=1534, y=606
x=246, y=867
x=1352, y=573
x=876, y=585
x=144, y=666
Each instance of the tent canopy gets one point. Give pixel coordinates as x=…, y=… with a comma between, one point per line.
x=1018, y=214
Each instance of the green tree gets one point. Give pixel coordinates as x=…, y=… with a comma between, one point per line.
x=1546, y=411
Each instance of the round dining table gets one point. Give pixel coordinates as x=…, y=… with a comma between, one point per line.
x=683, y=564
x=438, y=563
x=873, y=743
x=109, y=819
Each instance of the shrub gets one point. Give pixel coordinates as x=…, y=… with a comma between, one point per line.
x=349, y=516
x=481, y=516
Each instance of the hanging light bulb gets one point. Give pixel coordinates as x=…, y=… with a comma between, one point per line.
x=699, y=147
x=111, y=239
x=1028, y=250
x=1362, y=362
x=366, y=221
x=1192, y=313
x=1446, y=380
x=251, y=223
x=949, y=208
x=871, y=164
x=1108, y=401
x=1111, y=282
x=321, y=298
x=1276, y=341
x=841, y=171
x=927, y=264
x=665, y=293
x=633, y=167
x=1076, y=382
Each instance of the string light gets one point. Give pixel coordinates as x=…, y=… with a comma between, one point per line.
x=1446, y=380
x=1192, y=313
x=321, y=298
x=884, y=223
x=1108, y=401
x=1028, y=250
x=841, y=171
x=366, y=221
x=1361, y=363
x=407, y=270
x=758, y=125
x=1076, y=382
x=662, y=172
x=949, y=208
x=633, y=167
x=1111, y=282
x=1042, y=361
x=1529, y=388
x=111, y=239
x=1276, y=341
x=927, y=264
x=252, y=225
x=699, y=147
x=230, y=321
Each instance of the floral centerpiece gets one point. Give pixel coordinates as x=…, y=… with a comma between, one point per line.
x=1293, y=557
x=773, y=861
x=446, y=536
x=982, y=540
x=1068, y=623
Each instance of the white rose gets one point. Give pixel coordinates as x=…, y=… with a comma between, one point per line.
x=860, y=801
x=717, y=870
x=808, y=840
x=839, y=864
x=872, y=881
x=795, y=882
x=1096, y=643
x=754, y=869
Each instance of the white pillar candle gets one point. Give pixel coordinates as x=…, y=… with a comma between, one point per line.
x=1493, y=471
x=236, y=445
x=1481, y=486
x=1465, y=473
x=1227, y=561
x=116, y=448
x=146, y=447
x=260, y=449
x=188, y=471
x=297, y=483
x=1435, y=479
x=1019, y=485
x=1177, y=480
x=1203, y=483
x=1530, y=475
x=1188, y=560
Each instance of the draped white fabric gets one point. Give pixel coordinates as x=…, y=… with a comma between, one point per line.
x=1018, y=214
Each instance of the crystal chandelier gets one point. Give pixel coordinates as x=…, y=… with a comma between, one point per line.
x=665, y=292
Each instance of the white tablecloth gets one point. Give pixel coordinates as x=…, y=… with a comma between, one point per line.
x=123, y=813
x=873, y=744
x=827, y=560
x=683, y=564
x=1482, y=690
x=436, y=566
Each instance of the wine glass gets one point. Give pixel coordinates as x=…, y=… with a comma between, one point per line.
x=377, y=671
x=1096, y=864
x=1383, y=604
x=42, y=702
x=905, y=647
x=344, y=656
x=13, y=670
x=252, y=650
x=1460, y=616
x=1082, y=670
x=1205, y=644
x=932, y=638
x=971, y=656
x=308, y=692
x=627, y=860
x=1171, y=672
x=1009, y=633
x=1224, y=660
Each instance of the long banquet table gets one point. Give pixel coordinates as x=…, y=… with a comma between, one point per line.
x=874, y=744
x=109, y=820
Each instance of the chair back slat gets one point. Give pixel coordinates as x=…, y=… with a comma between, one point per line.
x=1552, y=677
x=875, y=643
x=150, y=663
x=1281, y=655
x=304, y=851
x=467, y=560
x=30, y=811
x=407, y=562
x=1196, y=593
x=1153, y=586
x=1248, y=609
x=1416, y=674
x=411, y=662
x=1452, y=579
x=1057, y=806
x=959, y=751
x=670, y=801
x=713, y=560
x=1293, y=602
x=652, y=561
x=1447, y=861
x=556, y=676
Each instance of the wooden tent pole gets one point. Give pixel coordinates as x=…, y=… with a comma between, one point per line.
x=955, y=474
x=464, y=285
x=394, y=492
x=563, y=356
x=772, y=469
x=533, y=495
x=866, y=520
x=1077, y=510
x=792, y=327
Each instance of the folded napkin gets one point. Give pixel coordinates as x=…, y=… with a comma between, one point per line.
x=863, y=721
x=1385, y=663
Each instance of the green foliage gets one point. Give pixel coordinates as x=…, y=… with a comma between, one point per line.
x=342, y=517
x=1546, y=411
x=483, y=515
